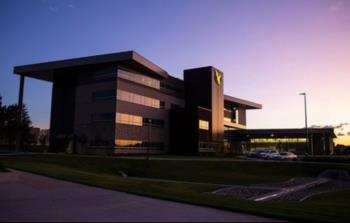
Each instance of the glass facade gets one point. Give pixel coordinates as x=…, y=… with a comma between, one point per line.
x=153, y=122
x=127, y=119
x=136, y=120
x=129, y=144
x=109, y=95
x=139, y=78
x=137, y=99
x=231, y=115
x=278, y=140
x=203, y=124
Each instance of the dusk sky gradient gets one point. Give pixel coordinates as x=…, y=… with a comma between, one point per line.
x=269, y=51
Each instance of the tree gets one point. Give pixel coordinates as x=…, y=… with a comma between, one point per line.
x=9, y=126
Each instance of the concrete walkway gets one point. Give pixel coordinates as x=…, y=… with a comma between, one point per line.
x=29, y=197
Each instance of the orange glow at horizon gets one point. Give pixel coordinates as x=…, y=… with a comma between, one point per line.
x=344, y=140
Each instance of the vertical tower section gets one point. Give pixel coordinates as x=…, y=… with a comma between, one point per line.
x=217, y=104
x=204, y=98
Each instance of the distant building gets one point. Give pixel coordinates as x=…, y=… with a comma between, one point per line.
x=122, y=103
x=39, y=136
x=292, y=140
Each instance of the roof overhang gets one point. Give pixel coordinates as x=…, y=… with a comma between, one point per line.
x=241, y=103
x=44, y=71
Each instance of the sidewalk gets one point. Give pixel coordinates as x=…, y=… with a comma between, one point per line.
x=29, y=197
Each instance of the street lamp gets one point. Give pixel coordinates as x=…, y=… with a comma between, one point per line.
x=306, y=129
x=149, y=137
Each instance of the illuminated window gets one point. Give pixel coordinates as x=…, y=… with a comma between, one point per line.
x=137, y=144
x=278, y=140
x=127, y=143
x=139, y=78
x=137, y=99
x=203, y=125
x=127, y=119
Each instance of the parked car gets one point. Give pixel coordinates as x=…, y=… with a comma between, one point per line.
x=255, y=154
x=266, y=154
x=272, y=156
x=286, y=156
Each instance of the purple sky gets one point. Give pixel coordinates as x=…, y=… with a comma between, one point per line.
x=269, y=50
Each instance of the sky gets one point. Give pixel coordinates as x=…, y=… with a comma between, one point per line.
x=269, y=50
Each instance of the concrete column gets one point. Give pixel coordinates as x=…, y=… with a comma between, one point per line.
x=20, y=111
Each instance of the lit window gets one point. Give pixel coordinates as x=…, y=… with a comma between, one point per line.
x=127, y=143
x=127, y=119
x=139, y=78
x=137, y=144
x=203, y=125
x=137, y=99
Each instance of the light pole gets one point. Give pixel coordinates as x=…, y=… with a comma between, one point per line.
x=306, y=129
x=149, y=137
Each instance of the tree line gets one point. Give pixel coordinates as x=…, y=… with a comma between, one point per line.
x=10, y=127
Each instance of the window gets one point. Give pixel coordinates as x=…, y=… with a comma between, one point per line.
x=162, y=104
x=104, y=95
x=231, y=115
x=137, y=99
x=203, y=125
x=101, y=117
x=105, y=73
x=139, y=78
x=153, y=122
x=128, y=143
x=137, y=144
x=127, y=119
x=170, y=87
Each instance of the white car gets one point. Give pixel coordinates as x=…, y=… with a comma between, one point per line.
x=286, y=156
x=272, y=156
x=266, y=154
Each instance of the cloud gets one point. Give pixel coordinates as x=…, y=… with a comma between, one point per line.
x=316, y=126
x=348, y=133
x=335, y=6
x=339, y=127
x=55, y=6
x=340, y=134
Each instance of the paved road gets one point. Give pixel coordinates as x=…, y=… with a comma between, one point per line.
x=29, y=197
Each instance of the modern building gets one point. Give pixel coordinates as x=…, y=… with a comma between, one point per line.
x=122, y=103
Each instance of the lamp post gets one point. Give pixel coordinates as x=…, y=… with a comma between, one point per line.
x=306, y=129
x=149, y=137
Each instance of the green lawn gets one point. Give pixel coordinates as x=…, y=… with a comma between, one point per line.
x=103, y=172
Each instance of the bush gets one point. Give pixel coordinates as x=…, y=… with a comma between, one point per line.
x=2, y=168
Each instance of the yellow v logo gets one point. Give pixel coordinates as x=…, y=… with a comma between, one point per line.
x=218, y=77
